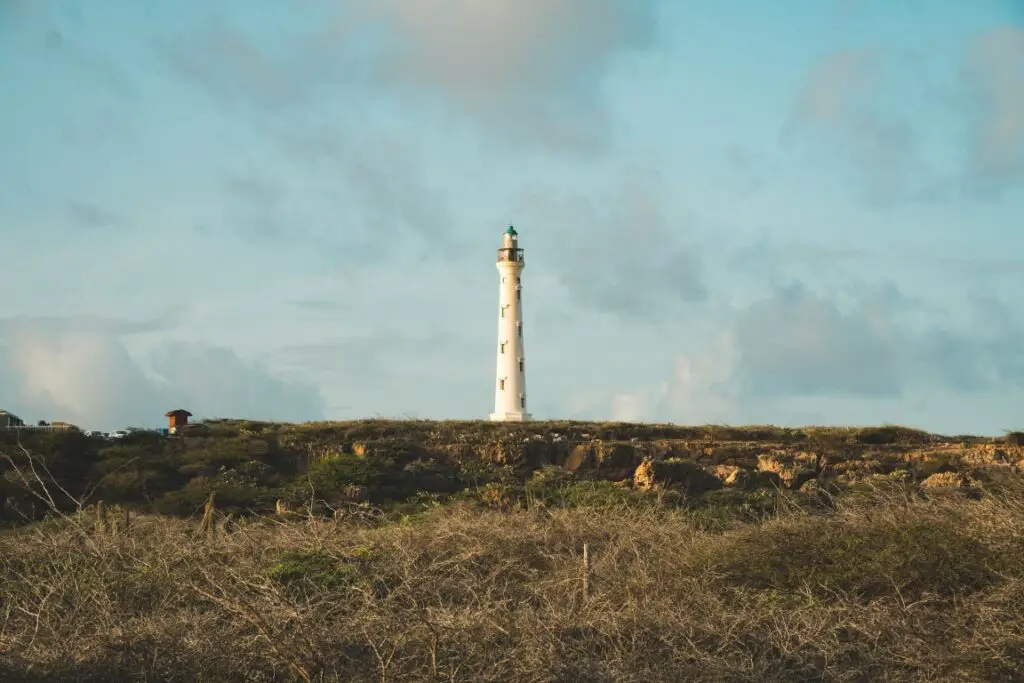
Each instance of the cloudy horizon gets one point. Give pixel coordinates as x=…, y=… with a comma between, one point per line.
x=795, y=213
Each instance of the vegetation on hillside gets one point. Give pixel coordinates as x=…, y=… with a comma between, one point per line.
x=257, y=468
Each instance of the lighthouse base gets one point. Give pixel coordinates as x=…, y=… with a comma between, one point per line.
x=511, y=417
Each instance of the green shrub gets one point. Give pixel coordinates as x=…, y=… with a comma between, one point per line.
x=424, y=476
x=347, y=469
x=311, y=571
x=214, y=455
x=893, y=434
x=582, y=493
x=866, y=557
x=722, y=508
x=1015, y=438
x=474, y=472
x=234, y=495
x=544, y=482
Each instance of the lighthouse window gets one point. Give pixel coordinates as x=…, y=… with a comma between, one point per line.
x=522, y=401
x=519, y=294
x=519, y=329
x=503, y=347
x=519, y=280
x=520, y=365
x=501, y=384
x=503, y=311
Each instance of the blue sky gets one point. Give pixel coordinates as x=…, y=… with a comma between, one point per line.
x=794, y=212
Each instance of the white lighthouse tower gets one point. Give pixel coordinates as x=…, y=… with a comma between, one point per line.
x=510, y=380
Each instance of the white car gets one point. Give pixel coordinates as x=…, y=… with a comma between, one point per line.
x=119, y=434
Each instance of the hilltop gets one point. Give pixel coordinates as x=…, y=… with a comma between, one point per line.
x=260, y=467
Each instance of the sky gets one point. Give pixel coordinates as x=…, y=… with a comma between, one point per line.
x=799, y=212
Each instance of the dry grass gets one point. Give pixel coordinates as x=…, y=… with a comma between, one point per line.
x=886, y=586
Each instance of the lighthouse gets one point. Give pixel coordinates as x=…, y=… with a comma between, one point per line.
x=510, y=379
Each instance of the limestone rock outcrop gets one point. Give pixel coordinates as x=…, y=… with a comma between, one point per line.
x=686, y=475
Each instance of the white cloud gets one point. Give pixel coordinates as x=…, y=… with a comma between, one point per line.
x=882, y=110
x=798, y=343
x=837, y=112
x=702, y=386
x=836, y=86
x=996, y=70
x=496, y=52
x=797, y=353
x=623, y=252
x=80, y=370
x=629, y=407
x=526, y=71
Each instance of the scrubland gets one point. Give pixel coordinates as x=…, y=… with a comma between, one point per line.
x=711, y=555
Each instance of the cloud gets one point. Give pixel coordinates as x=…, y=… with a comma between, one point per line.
x=837, y=110
x=781, y=260
x=849, y=9
x=995, y=74
x=494, y=51
x=25, y=10
x=523, y=73
x=796, y=343
x=232, y=66
x=746, y=172
x=256, y=207
x=622, y=254
x=80, y=370
x=91, y=216
x=53, y=25
x=220, y=384
x=320, y=305
x=55, y=326
x=392, y=373
x=629, y=407
x=701, y=387
x=529, y=72
x=532, y=69
x=875, y=345
x=836, y=86
x=877, y=108
x=373, y=189
x=396, y=201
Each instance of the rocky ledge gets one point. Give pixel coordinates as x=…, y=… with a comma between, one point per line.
x=648, y=456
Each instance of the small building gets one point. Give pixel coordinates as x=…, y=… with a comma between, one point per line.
x=177, y=418
x=8, y=420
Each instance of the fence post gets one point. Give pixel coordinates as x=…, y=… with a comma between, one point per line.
x=586, y=571
x=209, y=523
x=101, y=518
